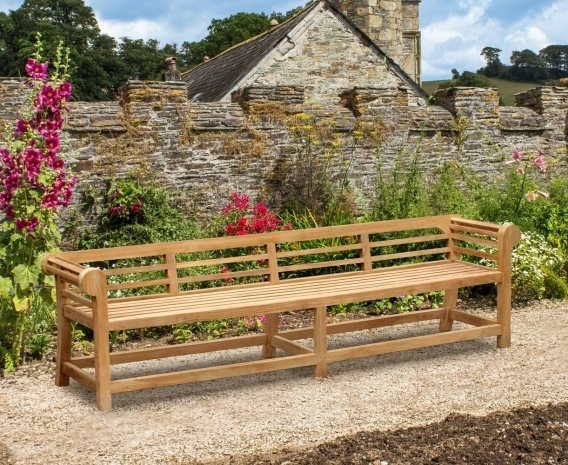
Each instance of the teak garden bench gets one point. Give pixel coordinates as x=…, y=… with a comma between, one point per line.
x=293, y=270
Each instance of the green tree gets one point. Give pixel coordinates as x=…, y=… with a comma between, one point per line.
x=72, y=22
x=494, y=66
x=467, y=79
x=527, y=65
x=556, y=57
x=143, y=59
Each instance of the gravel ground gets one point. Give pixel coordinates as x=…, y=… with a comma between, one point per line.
x=216, y=420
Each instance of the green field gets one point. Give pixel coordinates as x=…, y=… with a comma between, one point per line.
x=507, y=89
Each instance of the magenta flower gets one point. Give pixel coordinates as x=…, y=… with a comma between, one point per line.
x=58, y=164
x=36, y=70
x=29, y=224
x=52, y=143
x=65, y=90
x=21, y=128
x=50, y=200
x=12, y=181
x=10, y=213
x=5, y=199
x=50, y=96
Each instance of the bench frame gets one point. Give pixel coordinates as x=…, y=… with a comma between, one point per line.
x=83, y=296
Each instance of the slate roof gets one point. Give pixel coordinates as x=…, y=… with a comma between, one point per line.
x=212, y=80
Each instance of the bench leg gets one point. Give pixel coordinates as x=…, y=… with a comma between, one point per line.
x=102, y=370
x=270, y=329
x=450, y=302
x=504, y=314
x=64, y=345
x=320, y=341
x=64, y=342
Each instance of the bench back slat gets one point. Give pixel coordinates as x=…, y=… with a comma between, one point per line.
x=413, y=253
x=192, y=266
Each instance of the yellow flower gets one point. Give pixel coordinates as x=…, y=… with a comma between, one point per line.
x=336, y=143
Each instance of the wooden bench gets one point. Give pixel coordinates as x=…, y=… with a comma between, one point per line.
x=293, y=270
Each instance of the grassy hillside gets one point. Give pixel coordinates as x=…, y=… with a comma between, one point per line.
x=507, y=89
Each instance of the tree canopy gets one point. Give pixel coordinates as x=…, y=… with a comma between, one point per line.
x=526, y=65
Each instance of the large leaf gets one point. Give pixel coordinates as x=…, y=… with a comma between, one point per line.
x=47, y=295
x=24, y=276
x=6, y=287
x=21, y=303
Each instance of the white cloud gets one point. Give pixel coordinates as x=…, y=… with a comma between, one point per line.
x=165, y=29
x=457, y=40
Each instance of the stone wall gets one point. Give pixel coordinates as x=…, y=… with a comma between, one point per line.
x=205, y=151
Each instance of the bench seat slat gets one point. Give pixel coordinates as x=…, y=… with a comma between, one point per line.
x=333, y=281
x=288, y=296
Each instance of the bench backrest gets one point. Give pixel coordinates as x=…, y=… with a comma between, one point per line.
x=197, y=265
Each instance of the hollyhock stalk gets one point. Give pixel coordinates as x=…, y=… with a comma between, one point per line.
x=34, y=186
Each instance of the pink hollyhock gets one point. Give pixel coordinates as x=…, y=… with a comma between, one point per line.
x=518, y=155
x=510, y=162
x=546, y=195
x=52, y=143
x=36, y=70
x=540, y=163
x=50, y=96
x=21, y=128
x=65, y=90
x=29, y=224
x=50, y=200
x=521, y=171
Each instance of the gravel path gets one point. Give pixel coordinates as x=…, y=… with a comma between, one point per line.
x=42, y=424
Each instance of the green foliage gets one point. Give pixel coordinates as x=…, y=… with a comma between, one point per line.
x=535, y=265
x=467, y=79
x=158, y=220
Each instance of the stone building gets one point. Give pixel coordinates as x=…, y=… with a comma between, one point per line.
x=328, y=47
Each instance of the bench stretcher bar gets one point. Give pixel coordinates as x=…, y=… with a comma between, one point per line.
x=302, y=355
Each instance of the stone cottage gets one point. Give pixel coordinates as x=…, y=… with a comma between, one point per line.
x=329, y=47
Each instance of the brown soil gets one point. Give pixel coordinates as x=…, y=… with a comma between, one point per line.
x=536, y=435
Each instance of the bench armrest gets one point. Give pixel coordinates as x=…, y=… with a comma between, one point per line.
x=91, y=281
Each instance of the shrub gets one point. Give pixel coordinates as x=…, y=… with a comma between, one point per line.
x=535, y=268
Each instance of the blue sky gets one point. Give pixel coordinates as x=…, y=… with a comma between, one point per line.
x=453, y=31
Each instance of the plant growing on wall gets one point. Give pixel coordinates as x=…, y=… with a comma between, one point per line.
x=34, y=186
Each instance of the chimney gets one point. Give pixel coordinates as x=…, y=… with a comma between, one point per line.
x=172, y=74
x=392, y=25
